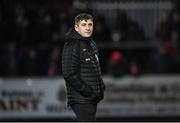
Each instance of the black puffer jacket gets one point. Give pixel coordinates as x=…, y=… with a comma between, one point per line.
x=81, y=70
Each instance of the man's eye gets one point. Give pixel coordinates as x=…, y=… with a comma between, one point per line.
x=83, y=24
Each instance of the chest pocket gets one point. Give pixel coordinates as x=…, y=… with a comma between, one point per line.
x=86, y=56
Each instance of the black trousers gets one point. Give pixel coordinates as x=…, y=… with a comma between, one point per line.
x=85, y=112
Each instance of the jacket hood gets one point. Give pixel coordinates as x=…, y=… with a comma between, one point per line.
x=72, y=34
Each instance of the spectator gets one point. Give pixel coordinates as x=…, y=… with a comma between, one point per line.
x=54, y=62
x=118, y=65
x=9, y=60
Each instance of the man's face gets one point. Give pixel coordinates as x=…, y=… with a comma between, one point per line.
x=85, y=28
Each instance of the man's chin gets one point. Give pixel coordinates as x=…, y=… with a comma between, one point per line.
x=87, y=36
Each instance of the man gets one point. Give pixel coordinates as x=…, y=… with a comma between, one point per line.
x=81, y=69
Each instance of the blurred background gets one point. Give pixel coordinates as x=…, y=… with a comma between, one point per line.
x=139, y=48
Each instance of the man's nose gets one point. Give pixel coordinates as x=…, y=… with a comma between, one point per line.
x=87, y=27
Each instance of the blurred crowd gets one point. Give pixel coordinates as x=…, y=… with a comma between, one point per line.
x=32, y=37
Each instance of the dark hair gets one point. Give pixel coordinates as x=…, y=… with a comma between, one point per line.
x=82, y=16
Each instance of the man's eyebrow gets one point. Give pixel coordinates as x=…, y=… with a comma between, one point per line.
x=89, y=23
x=83, y=23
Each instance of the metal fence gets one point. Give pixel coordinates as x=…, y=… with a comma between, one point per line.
x=148, y=15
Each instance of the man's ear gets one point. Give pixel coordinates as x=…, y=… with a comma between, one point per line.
x=76, y=27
